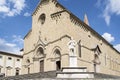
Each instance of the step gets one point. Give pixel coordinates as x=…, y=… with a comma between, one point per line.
x=74, y=69
x=75, y=75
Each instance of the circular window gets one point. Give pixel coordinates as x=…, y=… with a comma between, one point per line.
x=42, y=18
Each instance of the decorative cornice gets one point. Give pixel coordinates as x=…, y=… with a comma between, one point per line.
x=38, y=58
x=56, y=16
x=75, y=21
x=17, y=68
x=9, y=67
x=11, y=54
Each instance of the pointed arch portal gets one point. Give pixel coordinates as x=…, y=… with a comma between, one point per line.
x=57, y=59
x=40, y=54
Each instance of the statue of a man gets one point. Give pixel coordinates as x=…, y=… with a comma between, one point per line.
x=72, y=47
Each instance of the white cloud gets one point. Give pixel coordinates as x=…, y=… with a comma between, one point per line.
x=27, y=14
x=109, y=8
x=8, y=47
x=4, y=9
x=18, y=39
x=107, y=17
x=108, y=37
x=13, y=46
x=117, y=47
x=11, y=7
x=10, y=44
x=2, y=2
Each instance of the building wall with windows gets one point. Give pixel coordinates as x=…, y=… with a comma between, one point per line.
x=46, y=44
x=10, y=64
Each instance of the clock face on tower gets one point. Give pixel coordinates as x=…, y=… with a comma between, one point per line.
x=42, y=18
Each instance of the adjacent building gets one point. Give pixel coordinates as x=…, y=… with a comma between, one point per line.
x=10, y=64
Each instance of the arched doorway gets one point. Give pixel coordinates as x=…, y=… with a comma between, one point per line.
x=40, y=55
x=96, y=63
x=57, y=59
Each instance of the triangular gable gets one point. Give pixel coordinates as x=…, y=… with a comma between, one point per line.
x=39, y=43
x=97, y=48
x=45, y=1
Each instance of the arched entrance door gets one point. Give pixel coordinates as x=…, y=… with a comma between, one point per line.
x=40, y=55
x=57, y=59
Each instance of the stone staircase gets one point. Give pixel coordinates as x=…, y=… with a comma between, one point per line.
x=105, y=76
x=50, y=74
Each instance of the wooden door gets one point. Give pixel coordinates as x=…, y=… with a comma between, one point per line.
x=42, y=66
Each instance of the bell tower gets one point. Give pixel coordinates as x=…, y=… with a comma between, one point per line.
x=86, y=19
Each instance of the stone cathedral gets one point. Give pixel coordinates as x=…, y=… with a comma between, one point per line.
x=59, y=41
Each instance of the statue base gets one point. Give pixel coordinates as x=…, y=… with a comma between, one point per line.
x=74, y=72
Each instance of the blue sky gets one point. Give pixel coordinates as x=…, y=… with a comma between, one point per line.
x=15, y=19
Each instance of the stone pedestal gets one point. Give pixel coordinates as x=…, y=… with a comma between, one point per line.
x=74, y=72
x=73, y=61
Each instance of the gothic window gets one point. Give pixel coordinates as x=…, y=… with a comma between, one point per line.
x=42, y=18
x=96, y=58
x=79, y=50
x=97, y=53
x=40, y=52
x=57, y=53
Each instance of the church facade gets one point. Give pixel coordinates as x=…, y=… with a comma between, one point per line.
x=60, y=41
